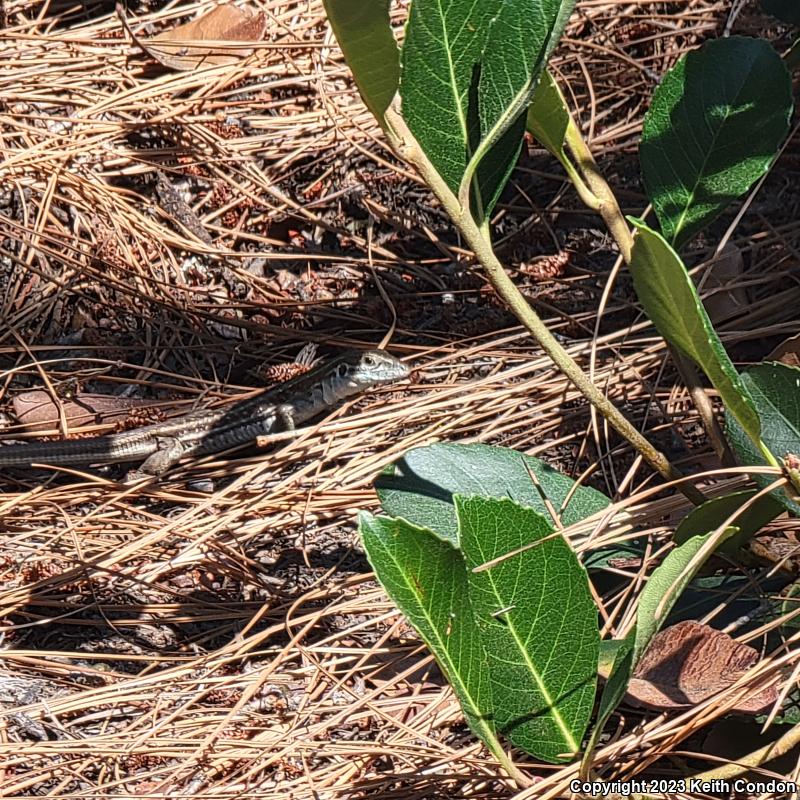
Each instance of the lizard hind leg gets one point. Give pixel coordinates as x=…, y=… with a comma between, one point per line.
x=170, y=451
x=285, y=415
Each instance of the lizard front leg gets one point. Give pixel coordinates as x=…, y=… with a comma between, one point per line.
x=170, y=451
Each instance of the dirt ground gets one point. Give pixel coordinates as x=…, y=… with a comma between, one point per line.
x=172, y=238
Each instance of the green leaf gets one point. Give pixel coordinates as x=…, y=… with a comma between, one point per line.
x=427, y=580
x=519, y=42
x=713, y=129
x=468, y=71
x=365, y=36
x=618, y=678
x=663, y=589
x=608, y=655
x=538, y=624
x=711, y=514
x=787, y=10
x=443, y=46
x=548, y=116
x=420, y=486
x=670, y=299
x=775, y=389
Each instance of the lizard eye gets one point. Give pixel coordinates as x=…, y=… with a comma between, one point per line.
x=369, y=360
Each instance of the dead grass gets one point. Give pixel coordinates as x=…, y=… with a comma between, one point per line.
x=170, y=641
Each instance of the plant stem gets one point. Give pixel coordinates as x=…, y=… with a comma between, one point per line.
x=517, y=303
x=792, y=58
x=406, y=146
x=787, y=742
x=608, y=208
x=513, y=772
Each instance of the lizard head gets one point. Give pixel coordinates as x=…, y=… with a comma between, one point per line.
x=372, y=368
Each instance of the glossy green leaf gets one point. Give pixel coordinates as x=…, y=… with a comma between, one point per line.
x=468, y=72
x=365, y=36
x=427, y=580
x=775, y=389
x=420, y=486
x=670, y=299
x=538, y=625
x=714, y=127
x=713, y=513
x=663, y=589
x=787, y=10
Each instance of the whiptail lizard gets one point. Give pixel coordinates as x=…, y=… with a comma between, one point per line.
x=209, y=431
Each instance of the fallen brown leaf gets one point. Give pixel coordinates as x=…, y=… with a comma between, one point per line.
x=36, y=410
x=186, y=47
x=724, y=295
x=689, y=662
x=782, y=552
